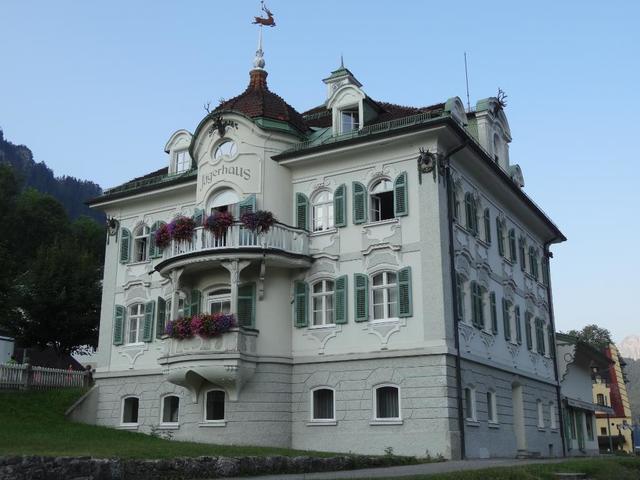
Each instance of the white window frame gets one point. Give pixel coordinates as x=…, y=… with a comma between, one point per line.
x=375, y=210
x=181, y=161
x=169, y=301
x=540, y=410
x=214, y=297
x=322, y=421
x=141, y=236
x=322, y=206
x=492, y=398
x=354, y=113
x=552, y=416
x=375, y=420
x=470, y=397
x=129, y=424
x=162, y=406
x=214, y=422
x=386, y=287
x=139, y=317
x=323, y=295
x=221, y=198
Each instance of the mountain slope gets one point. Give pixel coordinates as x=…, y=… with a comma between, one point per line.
x=69, y=191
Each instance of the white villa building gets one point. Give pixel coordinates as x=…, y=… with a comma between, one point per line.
x=401, y=299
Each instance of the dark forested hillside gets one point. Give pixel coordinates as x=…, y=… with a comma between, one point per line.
x=69, y=191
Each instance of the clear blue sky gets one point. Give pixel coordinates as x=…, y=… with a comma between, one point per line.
x=96, y=88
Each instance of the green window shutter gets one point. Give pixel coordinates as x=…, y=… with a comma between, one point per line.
x=518, y=325
x=487, y=225
x=361, y=293
x=494, y=313
x=198, y=217
x=302, y=211
x=474, y=215
x=119, y=314
x=480, y=307
x=161, y=318
x=400, y=195
x=247, y=204
x=474, y=304
x=359, y=203
x=147, y=329
x=340, y=206
x=512, y=245
x=405, y=294
x=467, y=210
x=340, y=312
x=545, y=272
x=552, y=344
x=523, y=259
x=125, y=246
x=193, y=305
x=527, y=330
x=247, y=305
x=506, y=321
x=500, y=237
x=460, y=297
x=540, y=336
x=455, y=201
x=301, y=304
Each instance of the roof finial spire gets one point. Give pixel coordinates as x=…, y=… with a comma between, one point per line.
x=341, y=61
x=258, y=61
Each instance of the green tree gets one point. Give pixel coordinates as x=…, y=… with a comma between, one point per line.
x=593, y=335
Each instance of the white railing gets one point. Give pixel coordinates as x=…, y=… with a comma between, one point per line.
x=279, y=237
x=25, y=377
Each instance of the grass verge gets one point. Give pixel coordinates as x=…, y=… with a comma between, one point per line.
x=33, y=423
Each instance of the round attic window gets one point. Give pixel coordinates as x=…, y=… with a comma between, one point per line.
x=227, y=149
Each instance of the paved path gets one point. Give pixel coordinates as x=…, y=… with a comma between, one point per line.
x=406, y=470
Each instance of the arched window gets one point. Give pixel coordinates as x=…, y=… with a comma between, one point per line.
x=170, y=409
x=322, y=204
x=214, y=406
x=513, y=253
x=322, y=302
x=225, y=200
x=381, y=195
x=387, y=403
x=141, y=243
x=219, y=301
x=182, y=161
x=135, y=321
x=533, y=262
x=500, y=235
x=478, y=303
x=601, y=399
x=487, y=225
x=227, y=148
x=323, y=404
x=496, y=148
x=384, y=291
x=130, y=410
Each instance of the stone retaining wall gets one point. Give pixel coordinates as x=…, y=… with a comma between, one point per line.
x=87, y=468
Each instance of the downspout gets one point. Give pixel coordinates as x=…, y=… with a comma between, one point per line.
x=454, y=289
x=548, y=255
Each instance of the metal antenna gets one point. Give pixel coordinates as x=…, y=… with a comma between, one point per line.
x=466, y=76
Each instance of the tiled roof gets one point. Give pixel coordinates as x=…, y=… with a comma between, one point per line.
x=258, y=101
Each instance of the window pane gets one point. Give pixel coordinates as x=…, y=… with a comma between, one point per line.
x=318, y=287
x=215, y=405
x=387, y=403
x=392, y=307
x=170, y=409
x=323, y=404
x=130, y=410
x=378, y=279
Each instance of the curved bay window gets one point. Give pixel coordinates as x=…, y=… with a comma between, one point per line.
x=384, y=291
x=322, y=302
x=322, y=211
x=381, y=195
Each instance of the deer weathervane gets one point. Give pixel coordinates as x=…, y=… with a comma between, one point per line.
x=265, y=22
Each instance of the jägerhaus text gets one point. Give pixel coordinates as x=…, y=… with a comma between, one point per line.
x=241, y=172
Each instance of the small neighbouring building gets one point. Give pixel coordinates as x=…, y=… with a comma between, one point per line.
x=577, y=362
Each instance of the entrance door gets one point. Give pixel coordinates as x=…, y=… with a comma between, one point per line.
x=518, y=418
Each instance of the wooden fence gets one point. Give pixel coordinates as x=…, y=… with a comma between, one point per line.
x=26, y=377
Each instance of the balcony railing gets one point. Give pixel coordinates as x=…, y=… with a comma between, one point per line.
x=279, y=237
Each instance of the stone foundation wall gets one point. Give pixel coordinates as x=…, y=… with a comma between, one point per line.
x=86, y=468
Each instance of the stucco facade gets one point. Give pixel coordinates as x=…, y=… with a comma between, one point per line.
x=386, y=307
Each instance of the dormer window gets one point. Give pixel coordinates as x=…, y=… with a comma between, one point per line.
x=182, y=161
x=349, y=120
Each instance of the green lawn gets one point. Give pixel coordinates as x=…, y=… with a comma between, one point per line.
x=33, y=423
x=616, y=468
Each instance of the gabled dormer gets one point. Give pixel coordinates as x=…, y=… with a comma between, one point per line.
x=178, y=149
x=347, y=101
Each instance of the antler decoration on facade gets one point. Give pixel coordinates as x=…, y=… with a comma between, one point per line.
x=502, y=98
x=426, y=163
x=267, y=22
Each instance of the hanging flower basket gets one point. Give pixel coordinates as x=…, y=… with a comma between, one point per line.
x=218, y=223
x=260, y=221
x=182, y=228
x=163, y=236
x=204, y=325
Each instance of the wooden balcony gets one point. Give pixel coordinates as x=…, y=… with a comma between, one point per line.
x=281, y=245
